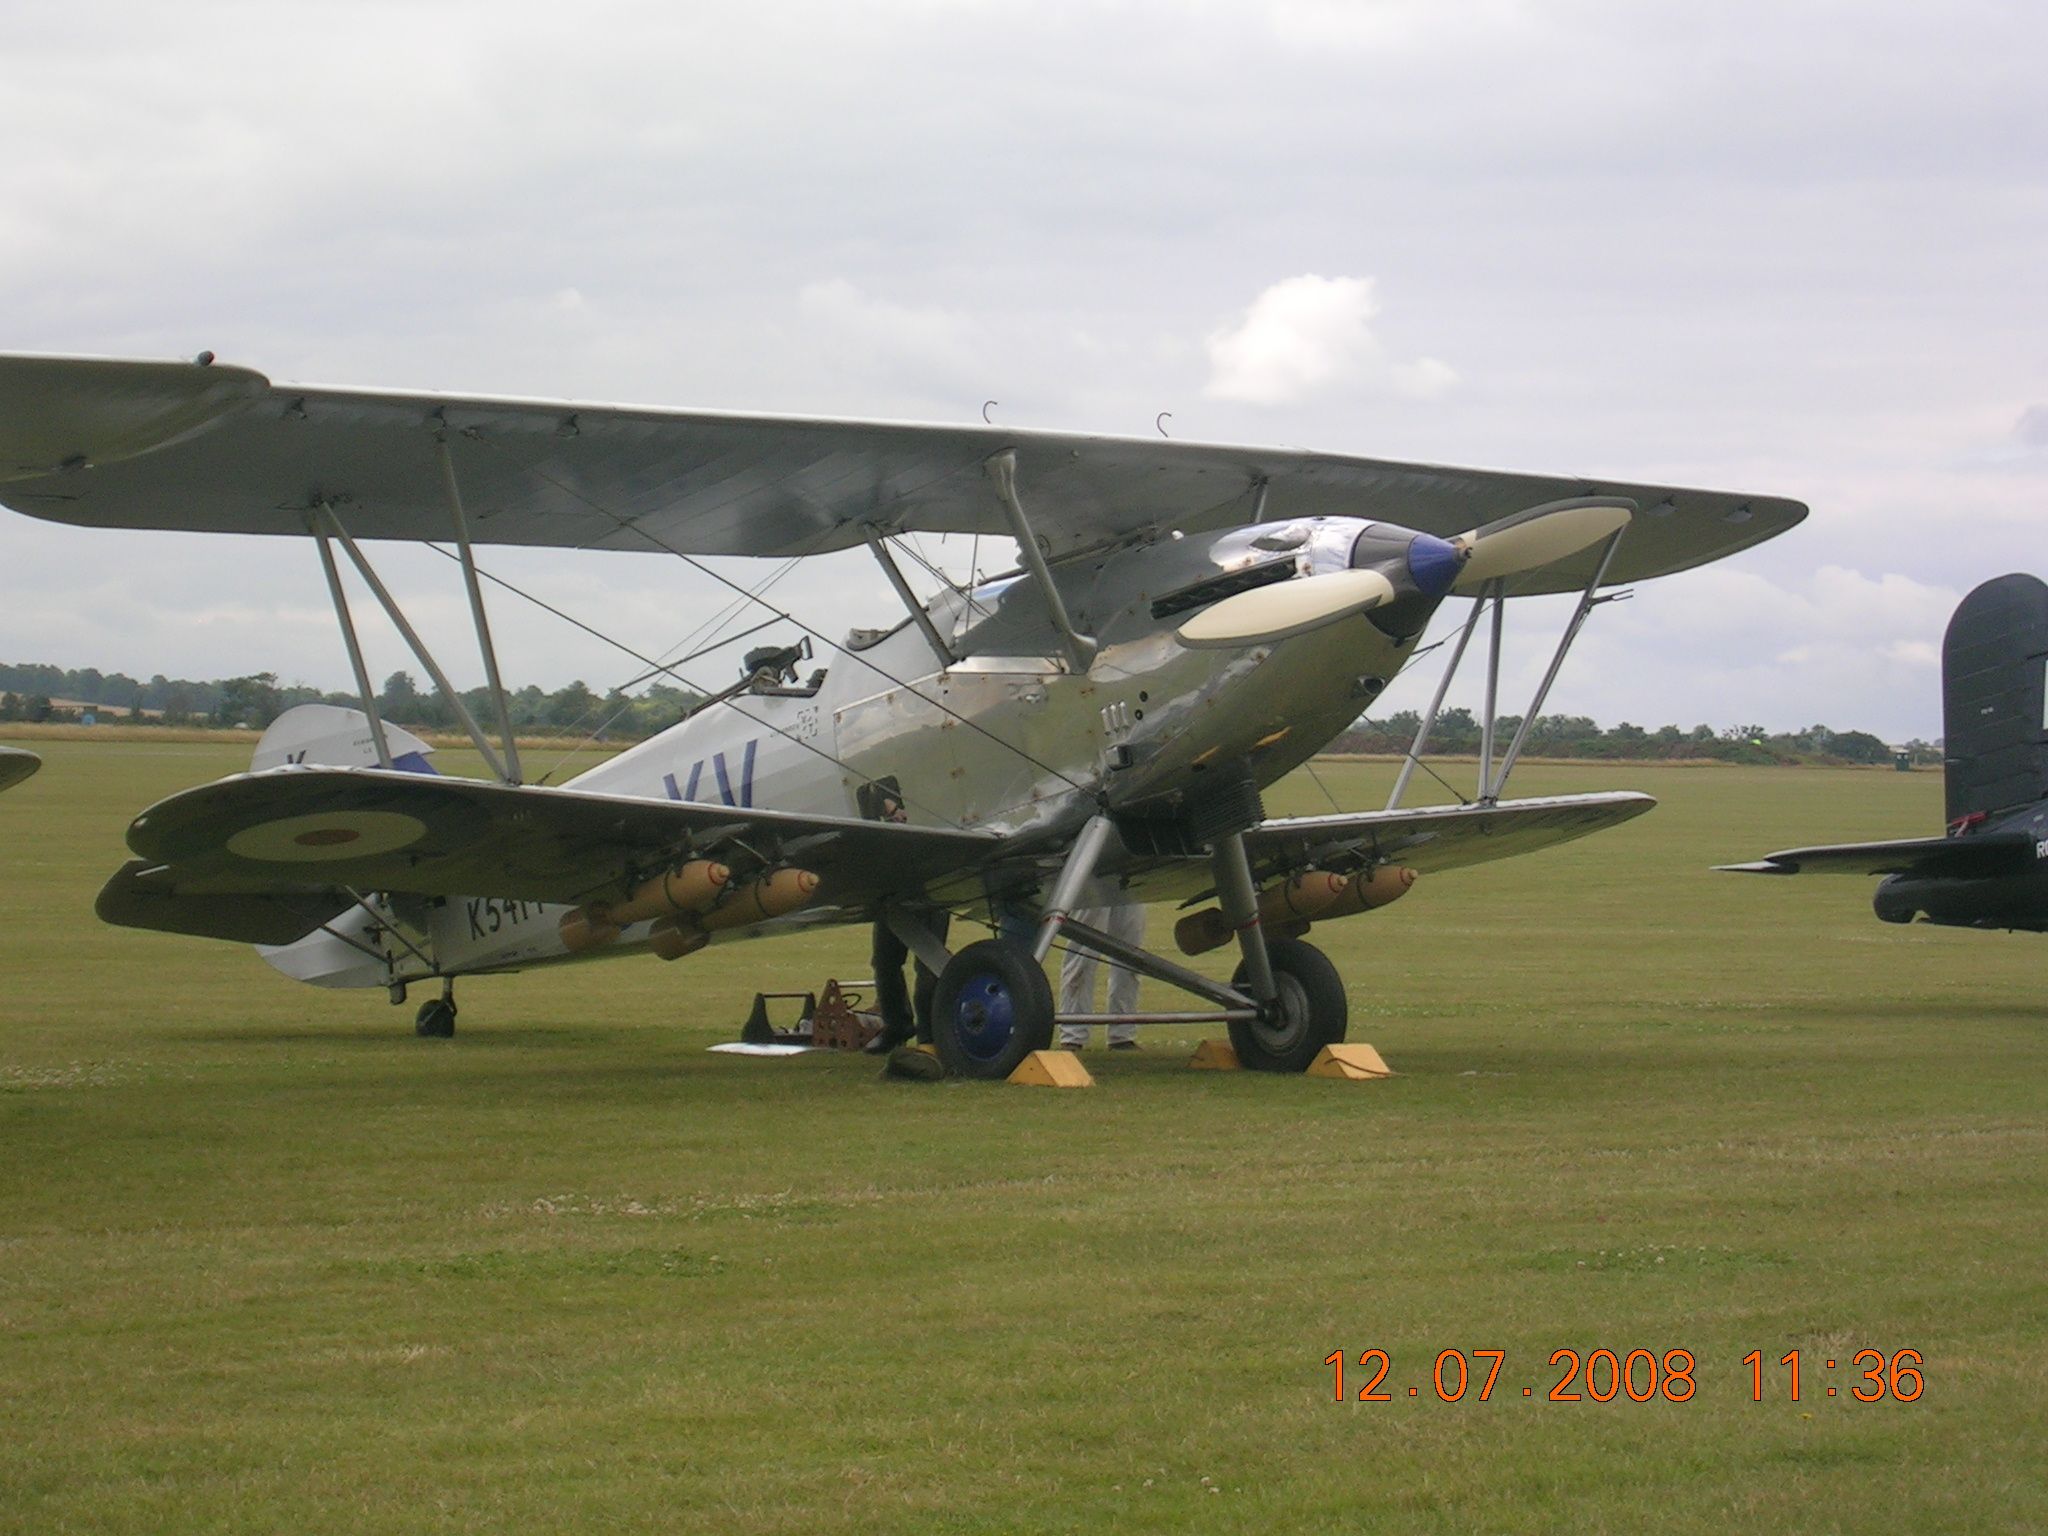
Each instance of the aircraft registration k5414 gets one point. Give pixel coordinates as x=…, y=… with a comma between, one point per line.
x=1189, y=623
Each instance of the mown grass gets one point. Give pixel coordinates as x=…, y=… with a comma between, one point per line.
x=268, y=1262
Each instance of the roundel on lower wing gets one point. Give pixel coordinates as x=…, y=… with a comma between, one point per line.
x=334, y=835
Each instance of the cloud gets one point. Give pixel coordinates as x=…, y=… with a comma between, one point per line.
x=927, y=349
x=1399, y=27
x=1308, y=333
x=1058, y=216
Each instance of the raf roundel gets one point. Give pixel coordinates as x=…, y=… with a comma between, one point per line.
x=338, y=835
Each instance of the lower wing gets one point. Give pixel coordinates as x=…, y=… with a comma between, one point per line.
x=1438, y=837
x=1427, y=839
x=264, y=858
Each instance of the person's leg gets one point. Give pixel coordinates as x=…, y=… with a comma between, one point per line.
x=1127, y=923
x=892, y=999
x=1077, y=984
x=928, y=983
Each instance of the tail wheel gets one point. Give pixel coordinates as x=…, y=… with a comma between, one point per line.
x=1310, y=1012
x=992, y=1008
x=435, y=1020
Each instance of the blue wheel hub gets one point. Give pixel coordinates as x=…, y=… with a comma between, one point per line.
x=984, y=1016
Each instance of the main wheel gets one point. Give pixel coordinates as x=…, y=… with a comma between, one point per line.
x=992, y=1008
x=1310, y=1012
x=435, y=1020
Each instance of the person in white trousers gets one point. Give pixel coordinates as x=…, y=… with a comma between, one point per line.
x=1125, y=921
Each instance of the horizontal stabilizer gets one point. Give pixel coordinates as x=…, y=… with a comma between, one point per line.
x=1984, y=856
x=146, y=895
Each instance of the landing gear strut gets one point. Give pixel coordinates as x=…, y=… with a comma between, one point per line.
x=1300, y=996
x=993, y=1005
x=436, y=1018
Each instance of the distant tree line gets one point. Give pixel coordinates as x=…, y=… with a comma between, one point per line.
x=1457, y=732
x=39, y=692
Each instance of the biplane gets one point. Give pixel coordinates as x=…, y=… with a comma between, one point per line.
x=1987, y=868
x=1186, y=623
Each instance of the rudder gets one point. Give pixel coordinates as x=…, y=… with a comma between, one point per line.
x=329, y=736
x=1994, y=704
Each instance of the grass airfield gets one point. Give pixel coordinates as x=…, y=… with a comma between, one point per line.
x=268, y=1262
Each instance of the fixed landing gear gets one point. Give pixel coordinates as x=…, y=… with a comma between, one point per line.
x=993, y=1006
x=436, y=1018
x=991, y=1009
x=1308, y=1011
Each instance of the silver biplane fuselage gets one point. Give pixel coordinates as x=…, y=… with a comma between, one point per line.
x=1007, y=737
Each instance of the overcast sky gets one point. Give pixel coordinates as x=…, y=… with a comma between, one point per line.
x=1792, y=248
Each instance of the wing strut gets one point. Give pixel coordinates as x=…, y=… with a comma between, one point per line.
x=1436, y=705
x=476, y=612
x=1587, y=602
x=1002, y=468
x=397, y=616
x=922, y=619
x=1493, y=589
x=1492, y=783
x=348, y=638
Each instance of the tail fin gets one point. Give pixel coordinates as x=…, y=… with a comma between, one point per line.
x=328, y=736
x=1994, y=705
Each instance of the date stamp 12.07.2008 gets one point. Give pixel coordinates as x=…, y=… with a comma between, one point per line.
x=1636, y=1376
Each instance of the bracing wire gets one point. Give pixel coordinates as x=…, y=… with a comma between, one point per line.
x=714, y=625
x=574, y=732
x=670, y=671
x=698, y=565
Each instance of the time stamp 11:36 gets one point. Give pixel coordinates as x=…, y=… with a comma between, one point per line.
x=1637, y=1376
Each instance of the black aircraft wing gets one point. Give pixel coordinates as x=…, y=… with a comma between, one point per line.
x=1986, y=855
x=16, y=764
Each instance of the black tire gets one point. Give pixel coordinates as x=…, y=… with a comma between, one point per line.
x=991, y=1009
x=435, y=1020
x=1313, y=1012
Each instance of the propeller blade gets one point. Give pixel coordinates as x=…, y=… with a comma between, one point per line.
x=1538, y=537
x=1286, y=608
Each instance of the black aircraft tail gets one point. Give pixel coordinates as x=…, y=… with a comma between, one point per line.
x=1994, y=708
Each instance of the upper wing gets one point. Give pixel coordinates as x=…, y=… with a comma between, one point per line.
x=223, y=450
x=1984, y=855
x=264, y=857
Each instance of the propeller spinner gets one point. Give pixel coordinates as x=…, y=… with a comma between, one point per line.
x=1432, y=567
